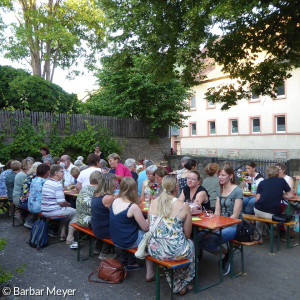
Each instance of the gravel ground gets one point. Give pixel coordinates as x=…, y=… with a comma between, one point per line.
x=55, y=270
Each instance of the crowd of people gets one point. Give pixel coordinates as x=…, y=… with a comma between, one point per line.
x=109, y=199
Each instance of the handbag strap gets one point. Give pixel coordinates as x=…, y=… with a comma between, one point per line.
x=106, y=281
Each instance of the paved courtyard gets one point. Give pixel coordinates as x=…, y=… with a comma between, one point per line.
x=56, y=270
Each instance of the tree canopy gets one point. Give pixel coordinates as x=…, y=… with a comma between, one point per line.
x=177, y=37
x=20, y=90
x=52, y=33
x=129, y=89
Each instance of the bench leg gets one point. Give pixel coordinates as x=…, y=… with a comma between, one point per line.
x=231, y=256
x=172, y=283
x=271, y=238
x=78, y=249
x=157, y=282
x=288, y=237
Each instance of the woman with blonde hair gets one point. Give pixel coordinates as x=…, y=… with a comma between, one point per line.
x=101, y=202
x=128, y=225
x=171, y=237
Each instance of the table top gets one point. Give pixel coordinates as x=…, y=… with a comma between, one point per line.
x=249, y=194
x=3, y=198
x=211, y=223
x=214, y=222
x=294, y=198
x=71, y=193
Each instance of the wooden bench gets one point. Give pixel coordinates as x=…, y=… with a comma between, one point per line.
x=235, y=246
x=171, y=265
x=269, y=221
x=39, y=214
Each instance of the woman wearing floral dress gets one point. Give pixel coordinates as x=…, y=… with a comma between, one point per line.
x=171, y=238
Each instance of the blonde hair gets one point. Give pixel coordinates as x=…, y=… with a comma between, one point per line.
x=32, y=170
x=15, y=165
x=75, y=171
x=114, y=156
x=164, y=205
x=106, y=184
x=128, y=190
x=272, y=171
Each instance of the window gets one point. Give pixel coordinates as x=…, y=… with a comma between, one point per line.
x=280, y=124
x=280, y=91
x=212, y=127
x=210, y=104
x=193, y=129
x=254, y=97
x=193, y=102
x=255, y=125
x=234, y=126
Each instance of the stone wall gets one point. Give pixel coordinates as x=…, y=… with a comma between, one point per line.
x=143, y=148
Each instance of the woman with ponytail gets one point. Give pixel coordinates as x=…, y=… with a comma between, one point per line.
x=171, y=238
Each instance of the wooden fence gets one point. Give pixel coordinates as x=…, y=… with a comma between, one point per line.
x=127, y=128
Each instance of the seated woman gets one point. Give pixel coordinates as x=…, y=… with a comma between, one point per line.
x=269, y=195
x=194, y=193
x=171, y=237
x=229, y=203
x=20, y=177
x=31, y=174
x=159, y=174
x=54, y=203
x=101, y=202
x=211, y=183
x=190, y=165
x=35, y=196
x=256, y=178
x=3, y=175
x=149, y=185
x=128, y=225
x=84, y=200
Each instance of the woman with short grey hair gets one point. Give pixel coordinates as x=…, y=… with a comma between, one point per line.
x=130, y=163
x=149, y=187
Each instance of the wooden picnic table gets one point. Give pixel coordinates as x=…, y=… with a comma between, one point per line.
x=72, y=192
x=211, y=223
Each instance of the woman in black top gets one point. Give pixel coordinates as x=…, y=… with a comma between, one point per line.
x=269, y=195
x=194, y=192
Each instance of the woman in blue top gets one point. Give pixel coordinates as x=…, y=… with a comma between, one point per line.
x=101, y=202
x=127, y=223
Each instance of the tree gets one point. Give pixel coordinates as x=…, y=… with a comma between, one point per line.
x=168, y=32
x=260, y=45
x=177, y=35
x=129, y=89
x=20, y=90
x=53, y=33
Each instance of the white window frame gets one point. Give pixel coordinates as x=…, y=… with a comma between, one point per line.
x=209, y=127
x=193, y=124
x=276, y=124
x=252, y=125
x=231, y=127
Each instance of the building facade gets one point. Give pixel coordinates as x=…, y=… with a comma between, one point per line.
x=258, y=127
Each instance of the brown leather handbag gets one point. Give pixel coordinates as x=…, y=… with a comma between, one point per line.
x=110, y=271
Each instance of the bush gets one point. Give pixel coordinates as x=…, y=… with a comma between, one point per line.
x=27, y=141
